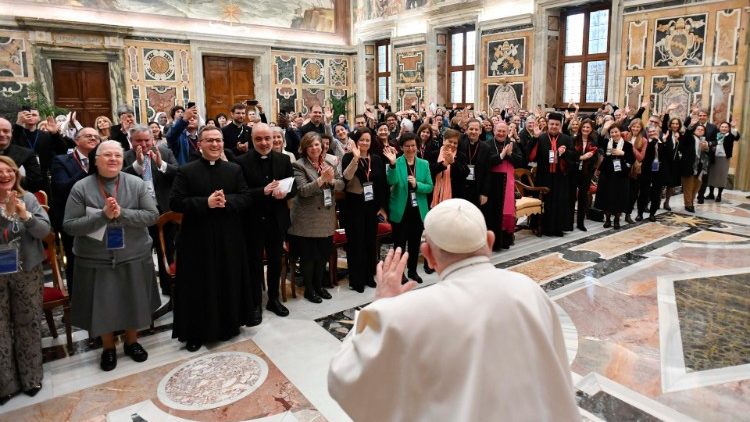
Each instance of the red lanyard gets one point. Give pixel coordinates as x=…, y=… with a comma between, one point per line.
x=78, y=160
x=367, y=173
x=412, y=173
x=104, y=193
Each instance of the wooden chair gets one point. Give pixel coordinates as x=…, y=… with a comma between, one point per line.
x=339, y=241
x=288, y=267
x=169, y=217
x=57, y=295
x=531, y=200
x=41, y=196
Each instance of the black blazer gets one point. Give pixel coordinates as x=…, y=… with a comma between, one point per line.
x=25, y=157
x=44, y=145
x=483, y=158
x=377, y=176
x=729, y=141
x=116, y=134
x=162, y=181
x=65, y=173
x=281, y=168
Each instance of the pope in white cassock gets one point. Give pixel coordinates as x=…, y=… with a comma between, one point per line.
x=483, y=344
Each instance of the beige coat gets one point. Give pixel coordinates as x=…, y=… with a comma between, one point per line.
x=310, y=217
x=483, y=344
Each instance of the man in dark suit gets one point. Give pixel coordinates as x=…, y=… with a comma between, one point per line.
x=120, y=133
x=237, y=133
x=23, y=157
x=157, y=167
x=45, y=145
x=480, y=157
x=66, y=171
x=268, y=218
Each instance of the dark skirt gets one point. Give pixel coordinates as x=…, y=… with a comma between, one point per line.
x=612, y=193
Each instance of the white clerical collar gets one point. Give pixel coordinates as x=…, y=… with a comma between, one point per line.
x=463, y=264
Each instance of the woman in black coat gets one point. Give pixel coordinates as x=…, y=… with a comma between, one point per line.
x=366, y=200
x=614, y=177
x=654, y=171
x=587, y=147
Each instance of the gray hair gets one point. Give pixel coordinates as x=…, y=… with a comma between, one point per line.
x=124, y=109
x=139, y=128
x=80, y=132
x=107, y=143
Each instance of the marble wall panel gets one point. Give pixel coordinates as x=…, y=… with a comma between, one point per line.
x=504, y=94
x=506, y=57
x=16, y=70
x=634, y=91
x=442, y=75
x=636, y=52
x=727, y=38
x=680, y=41
x=312, y=97
x=684, y=91
x=285, y=69
x=159, y=98
x=13, y=57
x=553, y=47
x=371, y=95
x=286, y=98
x=406, y=97
x=159, y=65
x=313, y=71
x=131, y=55
x=410, y=67
x=338, y=70
x=721, y=96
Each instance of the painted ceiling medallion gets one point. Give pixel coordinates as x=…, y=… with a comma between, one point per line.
x=212, y=380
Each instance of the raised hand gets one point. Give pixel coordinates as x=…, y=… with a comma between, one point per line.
x=389, y=273
x=52, y=125
x=390, y=153
x=139, y=154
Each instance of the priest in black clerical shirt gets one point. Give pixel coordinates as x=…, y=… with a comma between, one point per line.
x=237, y=135
x=267, y=220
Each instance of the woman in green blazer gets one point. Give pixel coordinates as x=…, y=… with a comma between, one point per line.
x=410, y=180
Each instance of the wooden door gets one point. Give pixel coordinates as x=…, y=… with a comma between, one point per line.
x=82, y=87
x=228, y=80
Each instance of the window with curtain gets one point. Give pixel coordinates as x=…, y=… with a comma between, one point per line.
x=584, y=50
x=383, y=71
x=461, y=60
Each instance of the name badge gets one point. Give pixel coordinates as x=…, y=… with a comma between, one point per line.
x=580, y=165
x=617, y=165
x=720, y=151
x=9, y=262
x=327, y=197
x=471, y=172
x=413, y=199
x=368, y=191
x=655, y=166
x=551, y=156
x=115, y=237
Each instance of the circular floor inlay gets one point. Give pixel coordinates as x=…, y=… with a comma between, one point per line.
x=212, y=381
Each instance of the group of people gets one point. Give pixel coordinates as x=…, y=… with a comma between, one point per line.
x=245, y=188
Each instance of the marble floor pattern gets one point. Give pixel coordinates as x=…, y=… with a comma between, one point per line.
x=656, y=319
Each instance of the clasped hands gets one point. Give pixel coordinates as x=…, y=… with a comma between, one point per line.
x=217, y=199
x=273, y=189
x=326, y=175
x=15, y=206
x=111, y=208
x=153, y=154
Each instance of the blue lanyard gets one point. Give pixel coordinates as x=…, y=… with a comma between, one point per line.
x=36, y=140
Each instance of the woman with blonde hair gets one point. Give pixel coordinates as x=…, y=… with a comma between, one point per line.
x=24, y=225
x=103, y=124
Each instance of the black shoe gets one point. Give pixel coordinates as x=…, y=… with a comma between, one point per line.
x=136, y=352
x=109, y=359
x=31, y=392
x=371, y=283
x=4, y=399
x=427, y=269
x=256, y=317
x=276, y=307
x=718, y=199
x=652, y=218
x=581, y=227
x=323, y=293
x=358, y=289
x=607, y=224
x=313, y=298
x=690, y=209
x=710, y=196
x=628, y=219
x=700, y=199
x=639, y=217
x=616, y=226
x=666, y=206
x=414, y=276
x=193, y=346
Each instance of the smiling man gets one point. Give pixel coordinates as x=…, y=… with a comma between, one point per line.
x=24, y=157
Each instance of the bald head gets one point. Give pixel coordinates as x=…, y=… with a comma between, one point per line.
x=6, y=132
x=501, y=131
x=262, y=138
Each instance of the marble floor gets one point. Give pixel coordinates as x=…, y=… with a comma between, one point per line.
x=656, y=318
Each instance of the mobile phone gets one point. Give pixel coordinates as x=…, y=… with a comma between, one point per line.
x=191, y=104
x=251, y=102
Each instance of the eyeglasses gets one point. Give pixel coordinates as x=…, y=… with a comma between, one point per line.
x=212, y=140
x=110, y=155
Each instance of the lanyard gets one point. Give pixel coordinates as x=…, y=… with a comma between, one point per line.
x=78, y=160
x=104, y=193
x=473, y=154
x=36, y=140
x=412, y=173
x=318, y=167
x=367, y=173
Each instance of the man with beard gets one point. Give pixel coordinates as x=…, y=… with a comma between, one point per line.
x=554, y=154
x=237, y=134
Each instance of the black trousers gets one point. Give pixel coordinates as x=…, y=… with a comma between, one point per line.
x=653, y=185
x=704, y=185
x=266, y=237
x=635, y=193
x=407, y=235
x=361, y=224
x=583, y=183
x=313, y=253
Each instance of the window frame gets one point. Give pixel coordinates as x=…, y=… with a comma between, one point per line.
x=386, y=74
x=462, y=68
x=583, y=58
